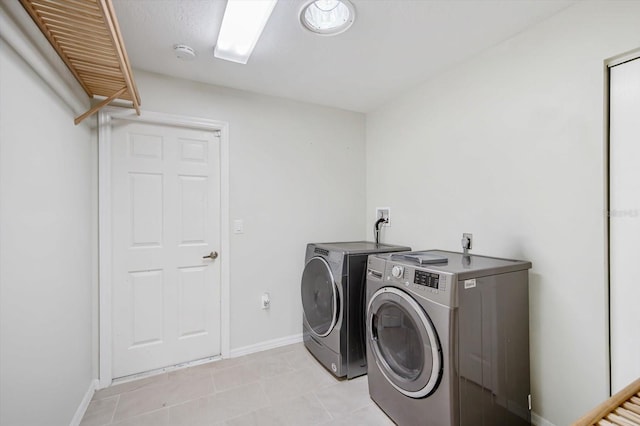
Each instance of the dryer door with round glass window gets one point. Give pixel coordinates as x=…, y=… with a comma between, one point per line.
x=404, y=342
x=319, y=296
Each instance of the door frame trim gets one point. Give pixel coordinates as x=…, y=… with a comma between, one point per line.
x=608, y=65
x=105, y=319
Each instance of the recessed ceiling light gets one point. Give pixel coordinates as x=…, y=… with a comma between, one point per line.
x=327, y=17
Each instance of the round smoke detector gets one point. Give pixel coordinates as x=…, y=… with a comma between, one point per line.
x=184, y=52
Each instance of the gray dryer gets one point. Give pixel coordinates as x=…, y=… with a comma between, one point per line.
x=333, y=297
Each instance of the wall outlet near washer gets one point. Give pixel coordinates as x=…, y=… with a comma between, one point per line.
x=265, y=302
x=385, y=213
x=467, y=241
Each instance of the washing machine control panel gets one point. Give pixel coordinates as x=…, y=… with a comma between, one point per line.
x=415, y=278
x=425, y=278
x=397, y=271
x=426, y=282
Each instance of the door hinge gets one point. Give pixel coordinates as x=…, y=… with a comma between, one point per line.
x=529, y=401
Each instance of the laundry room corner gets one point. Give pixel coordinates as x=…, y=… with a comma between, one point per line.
x=509, y=146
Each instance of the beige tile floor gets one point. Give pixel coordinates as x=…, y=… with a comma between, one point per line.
x=283, y=386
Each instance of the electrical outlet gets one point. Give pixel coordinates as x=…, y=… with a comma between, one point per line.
x=467, y=240
x=265, y=302
x=385, y=213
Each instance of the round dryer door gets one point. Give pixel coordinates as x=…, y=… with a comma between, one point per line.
x=319, y=296
x=404, y=342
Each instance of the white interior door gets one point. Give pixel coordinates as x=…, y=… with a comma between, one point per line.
x=624, y=222
x=165, y=219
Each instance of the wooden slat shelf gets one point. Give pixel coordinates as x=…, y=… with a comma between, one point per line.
x=86, y=36
x=622, y=409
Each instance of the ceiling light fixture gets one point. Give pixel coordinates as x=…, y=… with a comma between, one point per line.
x=242, y=25
x=327, y=17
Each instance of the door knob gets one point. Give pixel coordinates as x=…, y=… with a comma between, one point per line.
x=213, y=255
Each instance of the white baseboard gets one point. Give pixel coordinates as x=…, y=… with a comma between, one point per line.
x=540, y=421
x=263, y=346
x=77, y=417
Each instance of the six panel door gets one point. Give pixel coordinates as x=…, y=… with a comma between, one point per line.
x=165, y=219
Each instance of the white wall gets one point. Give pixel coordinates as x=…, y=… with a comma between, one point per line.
x=47, y=248
x=510, y=147
x=297, y=175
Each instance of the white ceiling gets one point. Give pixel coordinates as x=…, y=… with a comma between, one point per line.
x=392, y=46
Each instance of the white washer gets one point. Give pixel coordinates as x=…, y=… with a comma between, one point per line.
x=448, y=338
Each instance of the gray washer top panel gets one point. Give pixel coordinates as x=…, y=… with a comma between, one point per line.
x=360, y=247
x=471, y=266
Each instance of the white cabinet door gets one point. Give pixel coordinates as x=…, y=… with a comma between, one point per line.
x=165, y=218
x=624, y=222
